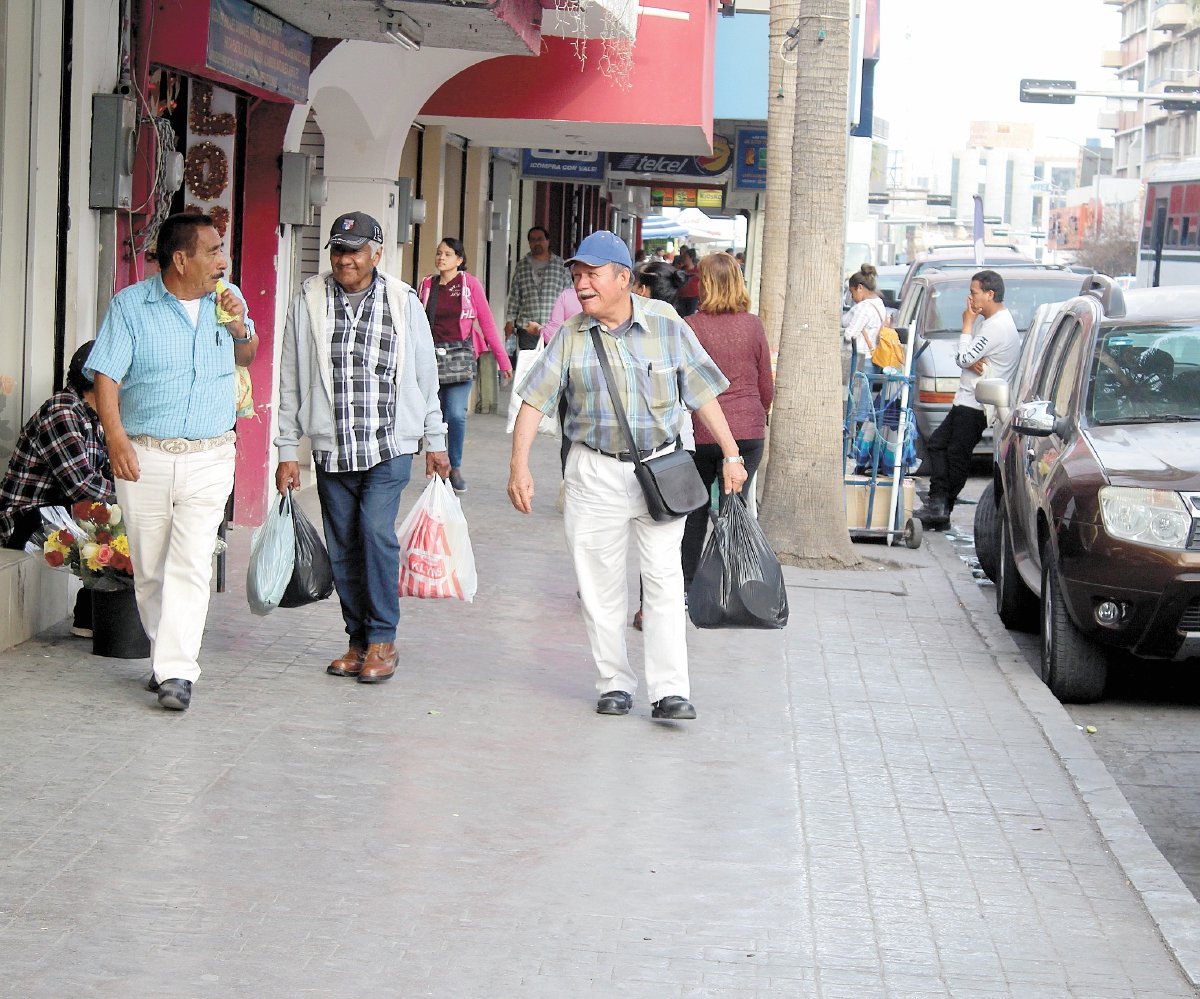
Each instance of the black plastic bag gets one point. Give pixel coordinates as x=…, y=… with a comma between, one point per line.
x=738, y=583
x=312, y=575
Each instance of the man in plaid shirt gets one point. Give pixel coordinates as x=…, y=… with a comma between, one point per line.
x=59, y=460
x=661, y=370
x=540, y=277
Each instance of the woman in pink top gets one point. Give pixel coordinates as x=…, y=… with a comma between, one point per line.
x=459, y=311
x=735, y=340
x=565, y=306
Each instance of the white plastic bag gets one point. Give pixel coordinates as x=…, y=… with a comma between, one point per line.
x=525, y=361
x=272, y=558
x=435, y=550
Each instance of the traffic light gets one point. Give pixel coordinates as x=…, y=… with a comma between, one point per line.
x=1187, y=104
x=1031, y=98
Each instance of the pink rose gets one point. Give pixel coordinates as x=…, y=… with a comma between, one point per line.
x=104, y=554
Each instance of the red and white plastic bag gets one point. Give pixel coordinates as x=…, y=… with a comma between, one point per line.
x=436, y=560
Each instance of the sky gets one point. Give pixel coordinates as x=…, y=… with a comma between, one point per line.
x=945, y=63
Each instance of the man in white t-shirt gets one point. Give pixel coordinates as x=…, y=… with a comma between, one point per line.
x=989, y=340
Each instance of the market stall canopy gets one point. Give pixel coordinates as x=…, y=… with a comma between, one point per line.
x=693, y=225
x=658, y=227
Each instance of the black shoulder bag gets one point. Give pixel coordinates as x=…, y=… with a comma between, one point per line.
x=670, y=482
x=455, y=358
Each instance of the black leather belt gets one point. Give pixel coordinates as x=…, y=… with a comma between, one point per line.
x=626, y=455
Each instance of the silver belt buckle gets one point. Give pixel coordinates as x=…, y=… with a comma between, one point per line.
x=176, y=445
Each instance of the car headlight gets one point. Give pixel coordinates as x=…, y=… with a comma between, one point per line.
x=1155, y=517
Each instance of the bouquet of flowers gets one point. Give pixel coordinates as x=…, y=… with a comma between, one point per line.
x=89, y=541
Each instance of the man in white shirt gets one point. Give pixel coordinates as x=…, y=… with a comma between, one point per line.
x=989, y=339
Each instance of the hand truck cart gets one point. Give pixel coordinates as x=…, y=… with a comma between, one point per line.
x=878, y=444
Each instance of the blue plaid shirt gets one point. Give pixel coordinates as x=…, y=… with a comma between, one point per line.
x=660, y=368
x=176, y=379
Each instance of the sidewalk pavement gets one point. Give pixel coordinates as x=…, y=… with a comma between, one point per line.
x=881, y=801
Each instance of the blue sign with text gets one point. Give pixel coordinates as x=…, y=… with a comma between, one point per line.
x=562, y=164
x=253, y=45
x=750, y=173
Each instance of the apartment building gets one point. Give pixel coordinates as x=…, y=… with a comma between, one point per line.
x=1160, y=46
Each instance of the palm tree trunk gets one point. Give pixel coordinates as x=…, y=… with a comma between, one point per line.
x=803, y=513
x=781, y=112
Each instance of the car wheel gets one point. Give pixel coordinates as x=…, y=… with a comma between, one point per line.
x=1073, y=668
x=1014, y=603
x=987, y=542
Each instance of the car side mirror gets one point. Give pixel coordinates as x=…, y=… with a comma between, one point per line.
x=902, y=333
x=889, y=299
x=992, y=392
x=1033, y=419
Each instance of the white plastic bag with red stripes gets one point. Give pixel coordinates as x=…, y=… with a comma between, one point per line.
x=436, y=560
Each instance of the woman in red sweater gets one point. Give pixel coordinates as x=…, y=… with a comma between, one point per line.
x=735, y=340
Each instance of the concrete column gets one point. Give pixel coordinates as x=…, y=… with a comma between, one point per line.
x=433, y=190
x=477, y=222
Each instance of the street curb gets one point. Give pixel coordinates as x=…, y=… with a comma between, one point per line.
x=1174, y=910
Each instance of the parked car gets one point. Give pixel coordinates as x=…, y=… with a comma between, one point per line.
x=987, y=546
x=932, y=312
x=1097, y=485
x=962, y=255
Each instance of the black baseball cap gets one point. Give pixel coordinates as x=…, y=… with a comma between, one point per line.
x=354, y=229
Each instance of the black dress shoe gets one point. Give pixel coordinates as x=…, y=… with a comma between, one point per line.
x=175, y=694
x=673, y=708
x=615, y=702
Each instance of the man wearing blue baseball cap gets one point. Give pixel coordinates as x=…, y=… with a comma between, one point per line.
x=660, y=370
x=358, y=377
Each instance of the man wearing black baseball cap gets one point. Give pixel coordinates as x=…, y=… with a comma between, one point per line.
x=358, y=377
x=660, y=371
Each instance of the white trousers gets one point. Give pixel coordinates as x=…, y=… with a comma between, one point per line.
x=172, y=514
x=603, y=507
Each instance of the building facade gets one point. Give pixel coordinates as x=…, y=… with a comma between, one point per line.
x=279, y=116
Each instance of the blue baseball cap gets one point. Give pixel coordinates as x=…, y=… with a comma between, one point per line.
x=602, y=247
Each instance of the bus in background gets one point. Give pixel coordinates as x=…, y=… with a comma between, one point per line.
x=1169, y=252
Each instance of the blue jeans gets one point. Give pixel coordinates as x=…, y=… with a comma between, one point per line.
x=454, y=411
x=359, y=513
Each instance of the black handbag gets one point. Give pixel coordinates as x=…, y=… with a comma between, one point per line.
x=455, y=361
x=455, y=358
x=670, y=482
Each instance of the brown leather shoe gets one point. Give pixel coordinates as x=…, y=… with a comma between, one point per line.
x=379, y=662
x=349, y=663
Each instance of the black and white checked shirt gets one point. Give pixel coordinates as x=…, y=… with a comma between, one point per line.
x=364, y=354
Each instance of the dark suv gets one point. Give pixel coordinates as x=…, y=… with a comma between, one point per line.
x=1097, y=486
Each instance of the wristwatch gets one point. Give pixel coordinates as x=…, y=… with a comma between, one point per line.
x=242, y=339
x=737, y=459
